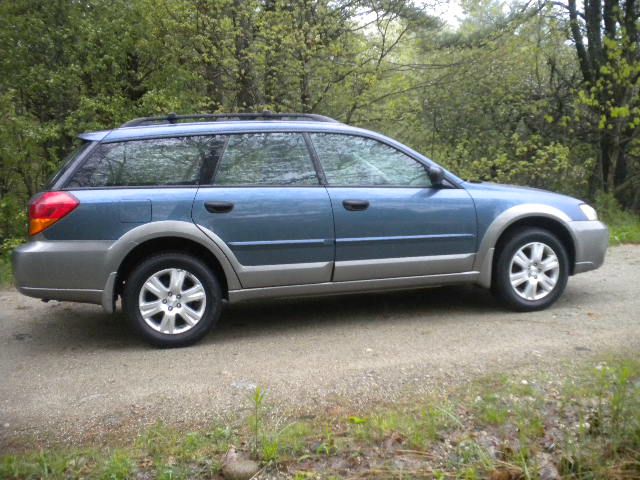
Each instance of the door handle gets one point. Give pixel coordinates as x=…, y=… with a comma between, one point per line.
x=218, y=207
x=355, y=205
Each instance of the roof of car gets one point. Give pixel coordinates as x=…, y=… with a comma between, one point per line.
x=204, y=128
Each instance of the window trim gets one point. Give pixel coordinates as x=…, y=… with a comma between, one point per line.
x=212, y=181
x=447, y=185
x=322, y=178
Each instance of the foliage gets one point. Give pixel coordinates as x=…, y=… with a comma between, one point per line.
x=624, y=226
x=502, y=96
x=610, y=89
x=584, y=424
x=6, y=249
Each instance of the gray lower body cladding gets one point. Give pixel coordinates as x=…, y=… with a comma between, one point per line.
x=591, y=241
x=71, y=270
x=84, y=271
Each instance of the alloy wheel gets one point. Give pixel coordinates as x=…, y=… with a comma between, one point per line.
x=172, y=301
x=534, y=271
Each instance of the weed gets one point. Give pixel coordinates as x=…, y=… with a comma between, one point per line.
x=257, y=399
x=118, y=466
x=491, y=410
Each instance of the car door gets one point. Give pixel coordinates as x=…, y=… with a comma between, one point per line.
x=267, y=205
x=389, y=220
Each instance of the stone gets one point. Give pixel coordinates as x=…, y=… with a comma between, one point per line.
x=235, y=467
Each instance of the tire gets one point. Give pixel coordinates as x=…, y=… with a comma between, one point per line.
x=181, y=296
x=538, y=281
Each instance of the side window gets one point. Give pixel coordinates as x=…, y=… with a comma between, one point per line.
x=357, y=161
x=68, y=162
x=161, y=161
x=266, y=159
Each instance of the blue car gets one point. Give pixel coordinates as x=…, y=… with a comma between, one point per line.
x=178, y=215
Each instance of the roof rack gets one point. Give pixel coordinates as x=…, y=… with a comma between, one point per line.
x=172, y=118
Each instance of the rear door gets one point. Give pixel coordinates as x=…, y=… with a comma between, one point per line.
x=389, y=220
x=267, y=205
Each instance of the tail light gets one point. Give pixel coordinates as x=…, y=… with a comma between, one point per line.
x=48, y=208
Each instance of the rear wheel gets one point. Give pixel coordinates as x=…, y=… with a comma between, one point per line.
x=172, y=299
x=531, y=270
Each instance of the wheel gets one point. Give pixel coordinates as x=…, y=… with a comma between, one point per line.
x=172, y=299
x=531, y=270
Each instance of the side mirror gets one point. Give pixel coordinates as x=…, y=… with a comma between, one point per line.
x=436, y=175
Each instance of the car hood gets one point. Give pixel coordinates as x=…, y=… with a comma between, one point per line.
x=511, y=195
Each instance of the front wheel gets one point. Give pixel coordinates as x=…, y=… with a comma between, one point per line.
x=172, y=299
x=531, y=270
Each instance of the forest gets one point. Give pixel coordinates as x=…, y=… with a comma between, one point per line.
x=538, y=93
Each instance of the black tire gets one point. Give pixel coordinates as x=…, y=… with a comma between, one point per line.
x=172, y=260
x=501, y=285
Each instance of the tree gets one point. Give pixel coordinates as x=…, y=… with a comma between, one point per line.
x=607, y=43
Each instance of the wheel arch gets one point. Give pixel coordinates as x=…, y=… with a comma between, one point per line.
x=169, y=244
x=156, y=237
x=541, y=216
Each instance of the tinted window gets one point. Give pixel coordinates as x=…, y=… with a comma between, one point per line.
x=266, y=159
x=164, y=161
x=358, y=161
x=68, y=162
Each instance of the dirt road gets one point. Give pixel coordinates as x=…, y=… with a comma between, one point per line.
x=70, y=372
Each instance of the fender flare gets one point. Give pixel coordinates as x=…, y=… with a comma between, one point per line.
x=484, y=259
x=119, y=250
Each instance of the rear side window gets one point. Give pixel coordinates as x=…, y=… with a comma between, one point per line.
x=160, y=161
x=68, y=162
x=266, y=159
x=350, y=160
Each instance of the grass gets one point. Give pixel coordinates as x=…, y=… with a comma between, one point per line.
x=585, y=425
x=627, y=231
x=6, y=272
x=624, y=226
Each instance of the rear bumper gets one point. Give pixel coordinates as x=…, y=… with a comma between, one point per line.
x=65, y=270
x=591, y=242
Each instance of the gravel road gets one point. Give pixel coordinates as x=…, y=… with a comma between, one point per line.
x=71, y=373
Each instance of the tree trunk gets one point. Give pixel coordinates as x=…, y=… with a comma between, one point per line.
x=246, y=94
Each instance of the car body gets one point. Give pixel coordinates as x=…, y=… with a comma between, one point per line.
x=287, y=205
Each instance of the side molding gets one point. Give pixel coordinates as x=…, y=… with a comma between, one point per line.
x=335, y=288
x=484, y=259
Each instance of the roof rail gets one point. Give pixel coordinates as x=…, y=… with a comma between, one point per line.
x=172, y=118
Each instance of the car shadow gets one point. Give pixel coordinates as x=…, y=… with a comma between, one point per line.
x=66, y=326
x=265, y=316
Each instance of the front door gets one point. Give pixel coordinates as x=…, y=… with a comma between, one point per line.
x=389, y=220
x=267, y=205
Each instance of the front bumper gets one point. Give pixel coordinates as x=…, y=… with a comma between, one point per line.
x=591, y=242
x=65, y=270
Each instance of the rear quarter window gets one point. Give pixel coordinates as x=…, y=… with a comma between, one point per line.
x=68, y=163
x=149, y=162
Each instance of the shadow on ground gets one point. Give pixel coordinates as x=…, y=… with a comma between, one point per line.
x=85, y=327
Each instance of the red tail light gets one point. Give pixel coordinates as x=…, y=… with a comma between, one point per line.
x=48, y=208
